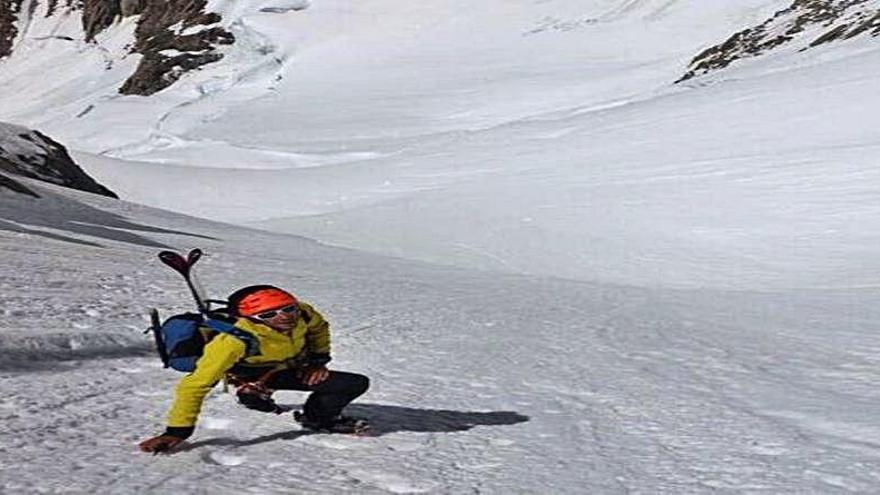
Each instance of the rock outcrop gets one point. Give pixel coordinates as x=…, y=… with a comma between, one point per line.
x=9, y=10
x=28, y=153
x=174, y=36
x=808, y=22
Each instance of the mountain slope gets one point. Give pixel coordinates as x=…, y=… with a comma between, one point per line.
x=28, y=153
x=544, y=138
x=173, y=37
x=805, y=24
x=481, y=382
x=739, y=208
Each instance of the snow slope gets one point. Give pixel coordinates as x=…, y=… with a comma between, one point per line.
x=768, y=180
x=482, y=382
x=531, y=137
x=722, y=337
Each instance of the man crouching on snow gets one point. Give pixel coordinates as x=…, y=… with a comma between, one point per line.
x=294, y=348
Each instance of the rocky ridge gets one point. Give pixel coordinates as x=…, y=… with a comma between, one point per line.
x=28, y=153
x=174, y=36
x=833, y=20
x=9, y=10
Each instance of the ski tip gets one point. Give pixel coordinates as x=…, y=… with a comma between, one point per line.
x=194, y=255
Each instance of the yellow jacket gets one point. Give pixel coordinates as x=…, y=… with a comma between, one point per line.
x=312, y=333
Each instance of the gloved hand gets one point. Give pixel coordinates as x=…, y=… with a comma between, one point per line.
x=160, y=443
x=314, y=375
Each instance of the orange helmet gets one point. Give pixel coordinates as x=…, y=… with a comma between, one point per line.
x=257, y=299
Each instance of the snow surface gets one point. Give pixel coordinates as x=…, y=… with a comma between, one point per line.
x=482, y=382
x=396, y=127
x=682, y=280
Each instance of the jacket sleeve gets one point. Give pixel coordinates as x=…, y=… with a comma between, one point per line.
x=317, y=336
x=219, y=356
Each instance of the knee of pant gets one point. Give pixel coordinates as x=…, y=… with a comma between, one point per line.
x=360, y=384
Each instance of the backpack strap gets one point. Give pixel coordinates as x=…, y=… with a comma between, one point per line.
x=251, y=342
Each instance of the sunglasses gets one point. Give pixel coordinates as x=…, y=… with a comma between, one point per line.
x=268, y=315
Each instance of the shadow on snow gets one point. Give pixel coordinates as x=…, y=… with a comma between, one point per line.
x=387, y=419
x=28, y=215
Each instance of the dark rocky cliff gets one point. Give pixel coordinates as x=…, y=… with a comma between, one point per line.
x=174, y=36
x=833, y=19
x=9, y=10
x=28, y=153
x=170, y=53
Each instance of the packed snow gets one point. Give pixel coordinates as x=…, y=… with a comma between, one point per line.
x=562, y=272
x=481, y=381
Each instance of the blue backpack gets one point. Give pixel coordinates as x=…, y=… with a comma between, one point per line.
x=181, y=339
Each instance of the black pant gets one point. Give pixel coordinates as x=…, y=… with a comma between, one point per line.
x=329, y=397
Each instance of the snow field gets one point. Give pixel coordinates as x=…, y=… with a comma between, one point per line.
x=457, y=134
x=480, y=381
x=722, y=336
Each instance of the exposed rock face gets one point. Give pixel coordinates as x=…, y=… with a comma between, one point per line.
x=9, y=10
x=835, y=19
x=174, y=36
x=131, y=7
x=28, y=153
x=98, y=16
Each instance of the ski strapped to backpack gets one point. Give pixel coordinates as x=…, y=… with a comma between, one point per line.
x=181, y=339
